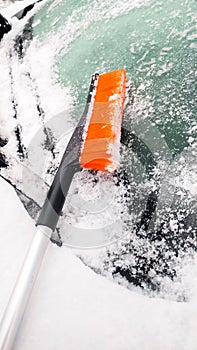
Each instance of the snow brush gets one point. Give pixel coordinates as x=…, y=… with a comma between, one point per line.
x=95, y=145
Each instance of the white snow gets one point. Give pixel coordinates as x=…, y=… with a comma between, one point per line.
x=9, y=9
x=72, y=307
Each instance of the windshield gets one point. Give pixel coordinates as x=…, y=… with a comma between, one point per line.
x=155, y=41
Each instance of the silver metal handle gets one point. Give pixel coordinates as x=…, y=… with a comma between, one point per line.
x=23, y=287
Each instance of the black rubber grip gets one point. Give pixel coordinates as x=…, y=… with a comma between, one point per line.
x=69, y=165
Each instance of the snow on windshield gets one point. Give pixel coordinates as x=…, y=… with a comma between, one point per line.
x=71, y=304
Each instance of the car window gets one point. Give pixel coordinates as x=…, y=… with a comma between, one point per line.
x=154, y=42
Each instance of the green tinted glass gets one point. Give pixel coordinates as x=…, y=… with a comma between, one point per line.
x=155, y=42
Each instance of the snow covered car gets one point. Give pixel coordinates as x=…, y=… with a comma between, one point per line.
x=48, y=58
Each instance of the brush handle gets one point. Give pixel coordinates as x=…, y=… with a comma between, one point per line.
x=23, y=287
x=46, y=224
x=54, y=202
x=53, y=205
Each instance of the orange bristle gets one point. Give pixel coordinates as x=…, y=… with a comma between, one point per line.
x=101, y=144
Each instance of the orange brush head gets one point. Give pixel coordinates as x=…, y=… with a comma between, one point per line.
x=101, y=142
